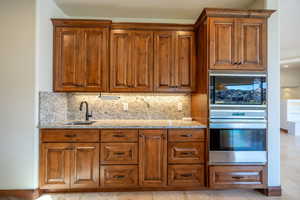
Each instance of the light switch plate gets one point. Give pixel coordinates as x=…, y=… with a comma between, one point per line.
x=179, y=106
x=125, y=106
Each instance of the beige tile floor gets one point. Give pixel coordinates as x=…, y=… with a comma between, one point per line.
x=290, y=170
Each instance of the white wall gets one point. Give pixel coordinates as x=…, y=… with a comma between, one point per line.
x=17, y=89
x=290, y=83
x=274, y=94
x=46, y=9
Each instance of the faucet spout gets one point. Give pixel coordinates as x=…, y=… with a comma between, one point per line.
x=87, y=114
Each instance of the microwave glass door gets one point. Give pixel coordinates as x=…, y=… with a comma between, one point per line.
x=237, y=139
x=238, y=90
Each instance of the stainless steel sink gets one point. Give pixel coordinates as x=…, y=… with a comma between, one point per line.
x=80, y=123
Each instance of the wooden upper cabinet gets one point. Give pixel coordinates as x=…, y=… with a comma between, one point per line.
x=95, y=59
x=142, y=60
x=85, y=165
x=80, y=58
x=222, y=43
x=164, y=61
x=131, y=61
x=238, y=44
x=153, y=158
x=120, y=63
x=174, y=61
x=55, y=166
x=185, y=58
x=252, y=46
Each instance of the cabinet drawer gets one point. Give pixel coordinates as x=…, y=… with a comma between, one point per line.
x=186, y=175
x=119, y=153
x=237, y=176
x=186, y=135
x=69, y=135
x=119, y=136
x=119, y=175
x=186, y=152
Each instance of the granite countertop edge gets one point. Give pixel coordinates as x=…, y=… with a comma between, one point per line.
x=178, y=124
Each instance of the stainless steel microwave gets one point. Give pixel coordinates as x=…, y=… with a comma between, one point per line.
x=238, y=89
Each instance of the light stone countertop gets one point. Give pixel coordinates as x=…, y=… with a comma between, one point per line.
x=129, y=124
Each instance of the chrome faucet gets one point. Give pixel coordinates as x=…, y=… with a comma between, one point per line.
x=87, y=114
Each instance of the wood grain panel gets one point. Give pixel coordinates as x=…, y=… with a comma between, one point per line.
x=85, y=165
x=119, y=153
x=153, y=158
x=119, y=135
x=119, y=176
x=186, y=152
x=70, y=135
x=55, y=166
x=186, y=175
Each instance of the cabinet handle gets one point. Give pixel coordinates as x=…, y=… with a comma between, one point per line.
x=239, y=63
x=186, y=135
x=186, y=175
x=119, y=153
x=119, y=176
x=187, y=153
x=119, y=135
x=69, y=148
x=238, y=177
x=70, y=135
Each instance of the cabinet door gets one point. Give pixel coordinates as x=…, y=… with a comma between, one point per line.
x=184, y=71
x=85, y=165
x=142, y=61
x=68, y=71
x=55, y=166
x=252, y=46
x=222, y=43
x=121, y=71
x=153, y=158
x=164, y=51
x=95, y=58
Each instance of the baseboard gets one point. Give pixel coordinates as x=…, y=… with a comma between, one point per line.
x=284, y=130
x=274, y=191
x=24, y=194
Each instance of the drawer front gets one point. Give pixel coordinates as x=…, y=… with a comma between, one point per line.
x=119, y=136
x=186, y=152
x=70, y=135
x=186, y=175
x=237, y=176
x=186, y=135
x=119, y=153
x=119, y=176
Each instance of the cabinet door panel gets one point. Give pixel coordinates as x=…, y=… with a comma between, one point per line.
x=119, y=153
x=85, y=166
x=222, y=43
x=252, y=44
x=186, y=175
x=68, y=73
x=186, y=152
x=95, y=46
x=185, y=61
x=55, y=166
x=153, y=158
x=119, y=176
x=164, y=61
x=121, y=70
x=142, y=60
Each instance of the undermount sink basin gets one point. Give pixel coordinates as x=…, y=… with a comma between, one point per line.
x=80, y=123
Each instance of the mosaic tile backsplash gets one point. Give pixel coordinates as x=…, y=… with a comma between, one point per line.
x=63, y=106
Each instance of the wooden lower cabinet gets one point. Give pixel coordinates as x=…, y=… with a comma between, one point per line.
x=153, y=158
x=85, y=166
x=186, y=175
x=186, y=152
x=119, y=176
x=119, y=153
x=237, y=177
x=67, y=165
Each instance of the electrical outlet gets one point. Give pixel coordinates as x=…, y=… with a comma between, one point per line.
x=179, y=106
x=125, y=106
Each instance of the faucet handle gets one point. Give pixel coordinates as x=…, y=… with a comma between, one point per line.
x=91, y=114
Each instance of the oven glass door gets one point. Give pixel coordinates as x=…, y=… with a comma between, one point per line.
x=237, y=139
x=237, y=90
